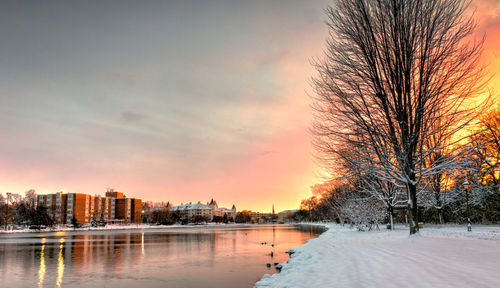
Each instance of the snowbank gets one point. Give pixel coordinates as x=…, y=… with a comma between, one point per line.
x=436, y=257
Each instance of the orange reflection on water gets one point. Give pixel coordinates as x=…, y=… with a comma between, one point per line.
x=41, y=269
x=142, y=245
x=60, y=264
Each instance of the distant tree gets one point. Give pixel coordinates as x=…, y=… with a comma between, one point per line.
x=199, y=219
x=309, y=204
x=176, y=217
x=42, y=217
x=75, y=223
x=487, y=148
x=242, y=217
x=30, y=198
x=8, y=209
x=24, y=214
x=160, y=217
x=3, y=211
x=14, y=198
x=184, y=220
x=301, y=215
x=218, y=219
x=146, y=217
x=225, y=220
x=157, y=217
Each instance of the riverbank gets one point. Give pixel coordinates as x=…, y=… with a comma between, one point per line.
x=446, y=256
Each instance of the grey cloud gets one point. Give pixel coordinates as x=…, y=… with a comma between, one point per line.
x=129, y=116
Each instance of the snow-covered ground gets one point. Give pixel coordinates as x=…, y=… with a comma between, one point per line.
x=437, y=257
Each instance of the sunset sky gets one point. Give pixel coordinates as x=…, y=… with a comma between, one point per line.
x=168, y=100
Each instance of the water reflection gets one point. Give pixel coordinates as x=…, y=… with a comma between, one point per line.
x=217, y=257
x=60, y=264
x=41, y=270
x=142, y=245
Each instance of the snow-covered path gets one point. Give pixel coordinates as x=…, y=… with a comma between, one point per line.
x=445, y=257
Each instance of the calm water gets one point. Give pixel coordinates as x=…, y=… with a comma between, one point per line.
x=218, y=256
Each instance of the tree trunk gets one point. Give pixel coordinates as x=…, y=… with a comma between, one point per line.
x=390, y=211
x=412, y=209
x=392, y=219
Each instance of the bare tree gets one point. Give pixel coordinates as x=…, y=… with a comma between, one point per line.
x=309, y=204
x=30, y=198
x=350, y=203
x=443, y=161
x=487, y=148
x=395, y=73
x=3, y=210
x=7, y=211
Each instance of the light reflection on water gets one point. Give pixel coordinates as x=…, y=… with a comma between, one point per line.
x=41, y=270
x=220, y=256
x=60, y=264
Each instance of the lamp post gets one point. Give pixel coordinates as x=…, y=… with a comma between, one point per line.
x=467, y=185
x=9, y=199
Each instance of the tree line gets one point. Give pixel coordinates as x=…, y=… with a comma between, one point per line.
x=167, y=217
x=442, y=197
x=22, y=211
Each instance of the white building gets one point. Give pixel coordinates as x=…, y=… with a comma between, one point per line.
x=188, y=211
x=231, y=213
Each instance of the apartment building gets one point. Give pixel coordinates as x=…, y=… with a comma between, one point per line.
x=78, y=208
x=61, y=206
x=56, y=205
x=68, y=208
x=114, y=194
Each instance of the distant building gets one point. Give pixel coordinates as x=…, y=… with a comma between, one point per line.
x=257, y=217
x=157, y=206
x=231, y=213
x=114, y=194
x=128, y=210
x=83, y=208
x=78, y=208
x=101, y=209
x=187, y=211
x=61, y=206
x=56, y=205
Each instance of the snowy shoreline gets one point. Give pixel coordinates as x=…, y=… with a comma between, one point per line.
x=446, y=256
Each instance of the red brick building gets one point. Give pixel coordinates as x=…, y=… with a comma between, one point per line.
x=82, y=208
